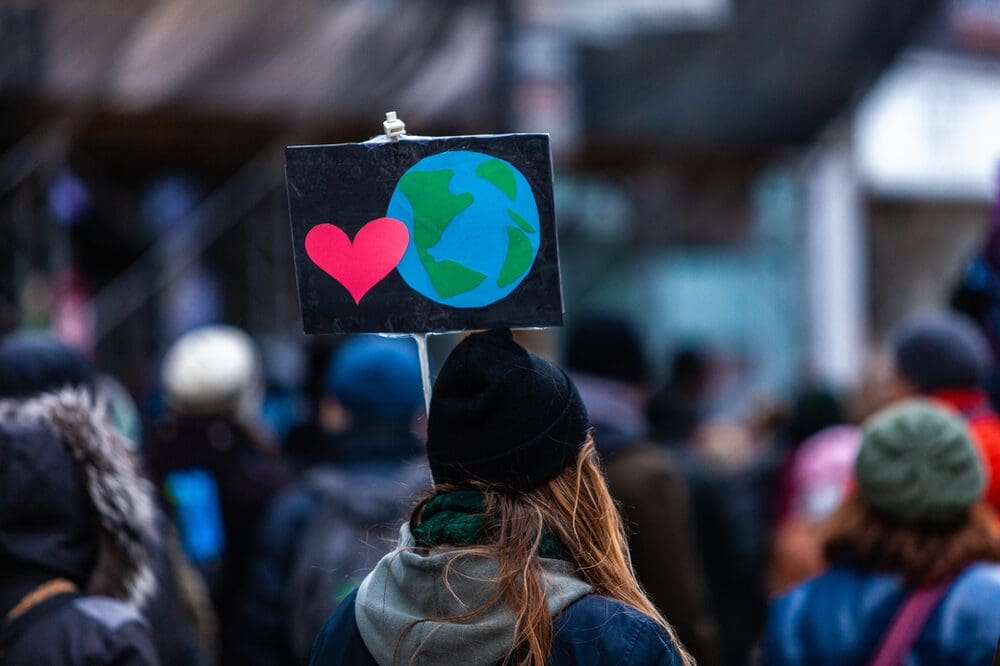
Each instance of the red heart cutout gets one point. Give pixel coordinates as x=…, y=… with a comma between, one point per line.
x=377, y=249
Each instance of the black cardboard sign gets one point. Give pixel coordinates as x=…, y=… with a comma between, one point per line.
x=425, y=234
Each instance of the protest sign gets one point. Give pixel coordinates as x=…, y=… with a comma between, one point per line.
x=425, y=235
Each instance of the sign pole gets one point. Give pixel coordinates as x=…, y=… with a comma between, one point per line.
x=425, y=369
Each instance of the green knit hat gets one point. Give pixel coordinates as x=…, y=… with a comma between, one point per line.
x=918, y=465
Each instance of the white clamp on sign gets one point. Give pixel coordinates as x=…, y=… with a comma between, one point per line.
x=393, y=125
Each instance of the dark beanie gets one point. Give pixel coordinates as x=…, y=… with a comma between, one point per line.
x=940, y=351
x=918, y=464
x=32, y=362
x=606, y=346
x=502, y=415
x=377, y=378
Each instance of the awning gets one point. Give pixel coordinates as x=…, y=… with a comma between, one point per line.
x=776, y=73
x=304, y=62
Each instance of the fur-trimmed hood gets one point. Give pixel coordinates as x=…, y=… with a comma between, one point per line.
x=58, y=451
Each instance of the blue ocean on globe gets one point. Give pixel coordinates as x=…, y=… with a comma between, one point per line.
x=474, y=227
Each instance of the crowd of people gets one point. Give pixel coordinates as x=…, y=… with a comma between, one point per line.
x=576, y=513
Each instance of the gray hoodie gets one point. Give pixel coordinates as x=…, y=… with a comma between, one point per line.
x=408, y=585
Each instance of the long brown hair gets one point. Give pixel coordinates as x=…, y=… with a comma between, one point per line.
x=578, y=509
x=857, y=536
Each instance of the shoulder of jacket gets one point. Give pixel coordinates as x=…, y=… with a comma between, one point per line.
x=340, y=636
x=978, y=586
x=610, y=620
x=982, y=573
x=786, y=608
x=599, y=607
x=110, y=614
x=968, y=619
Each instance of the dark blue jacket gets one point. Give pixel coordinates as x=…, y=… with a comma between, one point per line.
x=593, y=631
x=841, y=616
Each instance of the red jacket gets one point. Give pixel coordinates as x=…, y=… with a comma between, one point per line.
x=984, y=423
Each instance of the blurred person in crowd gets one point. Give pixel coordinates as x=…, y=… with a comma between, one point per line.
x=517, y=555
x=817, y=453
x=729, y=476
x=677, y=409
x=814, y=410
x=195, y=639
x=285, y=405
x=606, y=362
x=913, y=554
x=77, y=522
x=35, y=361
x=943, y=356
x=33, y=364
x=122, y=410
x=977, y=294
x=814, y=484
x=325, y=533
x=213, y=464
x=306, y=442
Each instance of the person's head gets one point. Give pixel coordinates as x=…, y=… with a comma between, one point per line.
x=689, y=369
x=675, y=411
x=606, y=360
x=608, y=347
x=938, y=351
x=213, y=370
x=814, y=410
x=72, y=504
x=33, y=362
x=916, y=510
x=512, y=426
x=371, y=379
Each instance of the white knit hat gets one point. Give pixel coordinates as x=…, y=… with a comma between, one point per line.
x=213, y=369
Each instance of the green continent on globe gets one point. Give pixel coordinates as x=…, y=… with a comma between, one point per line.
x=434, y=208
x=521, y=222
x=519, y=257
x=500, y=175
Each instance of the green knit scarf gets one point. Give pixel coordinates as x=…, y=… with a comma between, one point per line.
x=457, y=519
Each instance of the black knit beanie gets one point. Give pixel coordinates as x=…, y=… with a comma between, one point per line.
x=502, y=415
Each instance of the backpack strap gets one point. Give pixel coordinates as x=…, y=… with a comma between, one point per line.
x=39, y=603
x=907, y=624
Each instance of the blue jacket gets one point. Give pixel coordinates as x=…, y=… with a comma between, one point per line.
x=593, y=631
x=841, y=616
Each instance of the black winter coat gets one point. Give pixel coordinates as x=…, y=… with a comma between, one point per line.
x=73, y=508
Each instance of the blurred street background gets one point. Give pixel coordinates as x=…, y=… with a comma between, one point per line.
x=763, y=188
x=778, y=180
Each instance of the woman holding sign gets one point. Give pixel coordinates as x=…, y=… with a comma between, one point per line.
x=518, y=554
